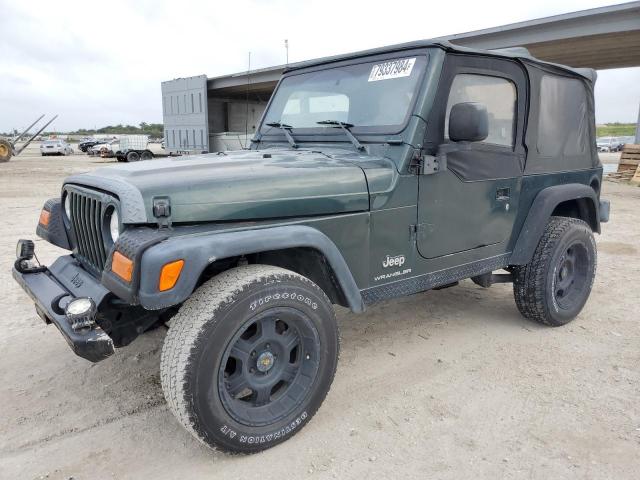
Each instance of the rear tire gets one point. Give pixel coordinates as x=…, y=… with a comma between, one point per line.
x=133, y=157
x=554, y=286
x=146, y=155
x=250, y=357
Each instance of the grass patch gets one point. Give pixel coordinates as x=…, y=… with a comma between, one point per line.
x=616, y=130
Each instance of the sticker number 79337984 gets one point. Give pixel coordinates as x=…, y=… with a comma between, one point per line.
x=393, y=69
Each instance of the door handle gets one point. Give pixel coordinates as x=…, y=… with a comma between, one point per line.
x=503, y=194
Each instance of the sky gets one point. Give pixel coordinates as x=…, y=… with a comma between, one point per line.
x=101, y=63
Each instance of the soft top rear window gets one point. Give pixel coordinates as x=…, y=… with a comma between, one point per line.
x=563, y=127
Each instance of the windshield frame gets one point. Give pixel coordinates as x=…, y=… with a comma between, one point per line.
x=324, y=131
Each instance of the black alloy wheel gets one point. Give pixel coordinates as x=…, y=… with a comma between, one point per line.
x=269, y=366
x=571, y=275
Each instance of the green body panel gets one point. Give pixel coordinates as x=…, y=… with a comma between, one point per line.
x=247, y=186
x=451, y=208
x=533, y=184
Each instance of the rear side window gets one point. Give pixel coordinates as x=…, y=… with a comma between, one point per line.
x=563, y=128
x=497, y=94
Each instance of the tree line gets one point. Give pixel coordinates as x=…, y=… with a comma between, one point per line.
x=151, y=129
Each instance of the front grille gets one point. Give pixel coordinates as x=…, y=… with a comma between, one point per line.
x=87, y=214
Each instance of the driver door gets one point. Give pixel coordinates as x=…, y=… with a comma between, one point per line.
x=473, y=202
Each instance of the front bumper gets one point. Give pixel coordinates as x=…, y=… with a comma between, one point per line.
x=603, y=211
x=52, y=288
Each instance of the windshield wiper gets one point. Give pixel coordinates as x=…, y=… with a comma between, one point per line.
x=286, y=129
x=345, y=128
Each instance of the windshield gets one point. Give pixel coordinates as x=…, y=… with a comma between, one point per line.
x=376, y=95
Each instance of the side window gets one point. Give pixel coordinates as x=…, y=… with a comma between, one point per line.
x=563, y=128
x=497, y=94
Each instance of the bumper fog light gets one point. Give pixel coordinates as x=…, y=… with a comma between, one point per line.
x=25, y=249
x=81, y=313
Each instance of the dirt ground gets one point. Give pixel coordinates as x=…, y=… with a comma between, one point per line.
x=449, y=384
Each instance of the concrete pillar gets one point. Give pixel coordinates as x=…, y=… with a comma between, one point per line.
x=638, y=128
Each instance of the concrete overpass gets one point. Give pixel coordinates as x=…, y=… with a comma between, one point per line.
x=599, y=38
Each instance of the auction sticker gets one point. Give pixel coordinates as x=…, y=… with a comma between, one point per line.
x=393, y=69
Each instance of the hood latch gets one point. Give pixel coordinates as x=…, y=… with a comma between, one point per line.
x=162, y=211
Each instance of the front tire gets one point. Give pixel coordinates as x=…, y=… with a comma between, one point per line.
x=554, y=286
x=250, y=357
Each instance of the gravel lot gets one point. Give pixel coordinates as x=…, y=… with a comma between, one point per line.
x=449, y=384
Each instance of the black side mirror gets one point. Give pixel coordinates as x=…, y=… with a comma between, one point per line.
x=468, y=122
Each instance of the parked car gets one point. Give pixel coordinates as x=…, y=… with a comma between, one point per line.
x=609, y=144
x=55, y=147
x=104, y=148
x=87, y=144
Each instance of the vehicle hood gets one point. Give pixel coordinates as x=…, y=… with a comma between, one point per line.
x=243, y=185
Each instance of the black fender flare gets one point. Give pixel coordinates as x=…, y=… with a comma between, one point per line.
x=201, y=250
x=540, y=212
x=55, y=233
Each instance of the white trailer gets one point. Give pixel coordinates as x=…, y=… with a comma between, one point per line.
x=132, y=148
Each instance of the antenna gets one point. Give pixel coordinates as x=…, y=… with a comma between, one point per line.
x=246, y=122
x=286, y=46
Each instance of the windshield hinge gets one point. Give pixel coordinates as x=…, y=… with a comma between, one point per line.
x=416, y=165
x=426, y=164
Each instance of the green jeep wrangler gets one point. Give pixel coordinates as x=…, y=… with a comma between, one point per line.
x=373, y=175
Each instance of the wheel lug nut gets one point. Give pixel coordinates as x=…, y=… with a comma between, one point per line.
x=252, y=370
x=307, y=356
x=268, y=346
x=253, y=354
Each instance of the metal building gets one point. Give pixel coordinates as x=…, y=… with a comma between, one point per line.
x=203, y=114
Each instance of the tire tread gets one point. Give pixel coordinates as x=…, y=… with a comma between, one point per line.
x=529, y=286
x=190, y=322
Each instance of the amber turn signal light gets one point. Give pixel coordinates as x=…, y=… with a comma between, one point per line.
x=122, y=266
x=45, y=215
x=169, y=275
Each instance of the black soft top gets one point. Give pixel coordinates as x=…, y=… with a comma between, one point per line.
x=520, y=53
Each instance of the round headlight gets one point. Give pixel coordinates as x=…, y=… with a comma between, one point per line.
x=67, y=206
x=114, y=225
